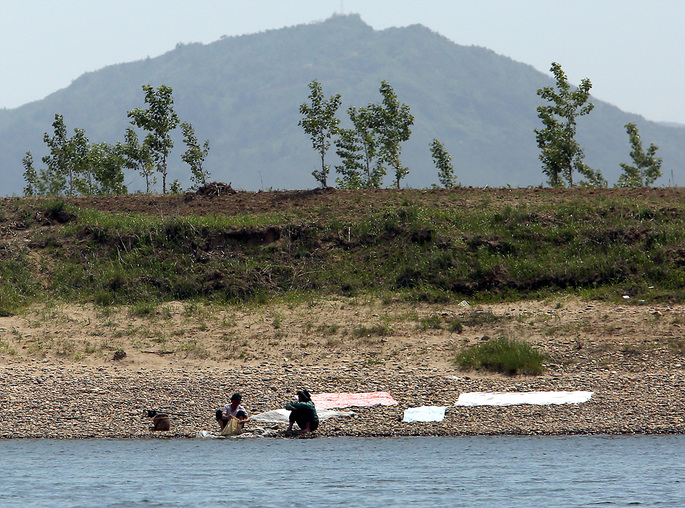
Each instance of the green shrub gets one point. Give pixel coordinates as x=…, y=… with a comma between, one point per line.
x=502, y=355
x=19, y=285
x=434, y=321
x=455, y=326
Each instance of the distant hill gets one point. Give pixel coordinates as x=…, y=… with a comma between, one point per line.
x=243, y=94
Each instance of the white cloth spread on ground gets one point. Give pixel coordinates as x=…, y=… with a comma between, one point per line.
x=283, y=415
x=516, y=398
x=331, y=400
x=207, y=434
x=424, y=414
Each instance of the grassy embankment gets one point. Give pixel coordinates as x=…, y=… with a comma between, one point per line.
x=600, y=249
x=598, y=246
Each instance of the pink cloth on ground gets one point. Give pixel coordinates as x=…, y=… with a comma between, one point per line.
x=331, y=400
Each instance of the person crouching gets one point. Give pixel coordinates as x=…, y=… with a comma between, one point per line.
x=303, y=412
x=233, y=411
x=160, y=421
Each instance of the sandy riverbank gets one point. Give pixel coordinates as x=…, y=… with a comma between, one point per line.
x=188, y=361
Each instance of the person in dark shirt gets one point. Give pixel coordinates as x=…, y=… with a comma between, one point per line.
x=303, y=413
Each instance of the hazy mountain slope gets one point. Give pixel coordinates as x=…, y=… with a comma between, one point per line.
x=243, y=94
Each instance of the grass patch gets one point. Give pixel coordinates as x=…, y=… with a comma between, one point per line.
x=19, y=287
x=378, y=330
x=455, y=326
x=434, y=322
x=327, y=330
x=143, y=310
x=677, y=345
x=193, y=350
x=389, y=245
x=5, y=348
x=502, y=355
x=481, y=317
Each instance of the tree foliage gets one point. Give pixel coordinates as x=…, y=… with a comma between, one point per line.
x=195, y=155
x=319, y=121
x=374, y=142
x=560, y=153
x=67, y=159
x=357, y=147
x=42, y=182
x=443, y=162
x=158, y=119
x=647, y=166
x=74, y=166
x=106, y=176
x=138, y=157
x=392, y=121
x=30, y=176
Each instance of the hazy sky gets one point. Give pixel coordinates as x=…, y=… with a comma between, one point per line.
x=633, y=51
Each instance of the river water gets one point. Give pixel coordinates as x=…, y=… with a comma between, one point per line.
x=459, y=471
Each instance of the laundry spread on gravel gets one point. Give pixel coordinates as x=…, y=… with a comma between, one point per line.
x=424, y=414
x=333, y=400
x=518, y=398
x=283, y=415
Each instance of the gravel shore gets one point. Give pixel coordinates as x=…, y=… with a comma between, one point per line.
x=42, y=399
x=60, y=376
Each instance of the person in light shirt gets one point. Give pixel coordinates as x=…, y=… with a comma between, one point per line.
x=232, y=410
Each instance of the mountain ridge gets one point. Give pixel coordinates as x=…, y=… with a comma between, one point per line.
x=243, y=94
